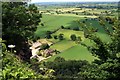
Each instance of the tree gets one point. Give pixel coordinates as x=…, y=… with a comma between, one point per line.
x=19, y=22
x=76, y=28
x=55, y=37
x=73, y=37
x=60, y=37
x=48, y=35
x=78, y=39
x=108, y=64
x=45, y=46
x=62, y=27
x=59, y=59
x=17, y=15
x=66, y=68
x=42, y=24
x=76, y=13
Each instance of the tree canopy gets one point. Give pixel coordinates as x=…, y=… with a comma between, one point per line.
x=19, y=17
x=107, y=67
x=19, y=21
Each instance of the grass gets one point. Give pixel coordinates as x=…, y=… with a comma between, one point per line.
x=101, y=32
x=63, y=45
x=68, y=33
x=69, y=49
x=52, y=22
x=67, y=43
x=77, y=52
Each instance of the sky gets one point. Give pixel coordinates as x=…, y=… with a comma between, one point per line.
x=34, y=1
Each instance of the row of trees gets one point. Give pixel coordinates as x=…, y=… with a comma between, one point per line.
x=73, y=37
x=72, y=28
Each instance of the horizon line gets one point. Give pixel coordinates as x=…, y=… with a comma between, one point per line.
x=73, y=1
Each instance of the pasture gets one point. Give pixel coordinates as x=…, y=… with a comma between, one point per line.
x=52, y=22
x=67, y=33
x=69, y=49
x=63, y=45
x=77, y=52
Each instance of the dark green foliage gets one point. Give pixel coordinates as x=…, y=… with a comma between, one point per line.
x=60, y=37
x=42, y=24
x=59, y=59
x=107, y=67
x=68, y=28
x=45, y=46
x=63, y=68
x=14, y=69
x=62, y=27
x=55, y=37
x=57, y=52
x=16, y=15
x=83, y=21
x=33, y=61
x=76, y=28
x=86, y=34
x=22, y=47
x=108, y=70
x=79, y=38
x=73, y=37
x=76, y=13
x=19, y=22
x=109, y=20
x=48, y=34
x=35, y=38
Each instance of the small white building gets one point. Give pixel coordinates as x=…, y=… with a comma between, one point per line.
x=35, y=48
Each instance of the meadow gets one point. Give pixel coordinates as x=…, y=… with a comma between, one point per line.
x=52, y=22
x=70, y=50
x=77, y=52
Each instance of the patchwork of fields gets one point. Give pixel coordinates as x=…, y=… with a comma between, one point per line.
x=70, y=50
x=52, y=22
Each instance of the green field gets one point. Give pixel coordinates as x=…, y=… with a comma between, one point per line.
x=63, y=45
x=52, y=22
x=77, y=52
x=69, y=49
x=67, y=33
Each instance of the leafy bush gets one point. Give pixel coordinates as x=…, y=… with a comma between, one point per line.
x=60, y=37
x=55, y=37
x=42, y=24
x=73, y=37
x=48, y=35
x=45, y=46
x=62, y=27
x=13, y=68
x=76, y=28
x=63, y=68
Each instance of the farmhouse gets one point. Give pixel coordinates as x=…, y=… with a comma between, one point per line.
x=35, y=48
